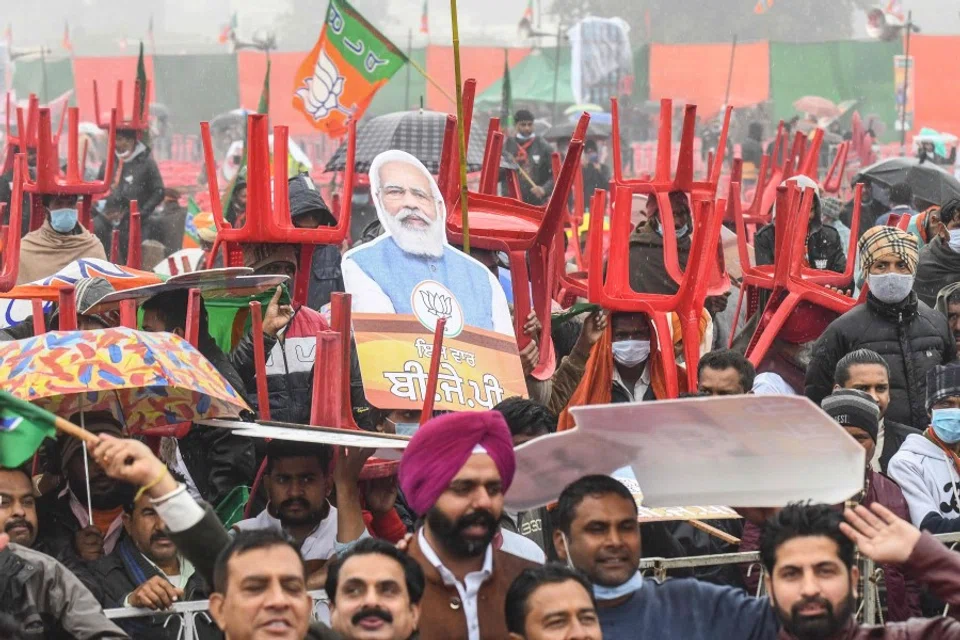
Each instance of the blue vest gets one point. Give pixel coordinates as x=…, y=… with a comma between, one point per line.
x=398, y=273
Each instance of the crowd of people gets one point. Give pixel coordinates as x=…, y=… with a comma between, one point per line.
x=431, y=551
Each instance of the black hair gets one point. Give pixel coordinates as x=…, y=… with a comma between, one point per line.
x=901, y=194
x=412, y=573
x=801, y=520
x=841, y=375
x=523, y=115
x=530, y=580
x=590, y=145
x=127, y=133
x=279, y=449
x=574, y=493
x=246, y=541
x=526, y=417
x=171, y=308
x=950, y=212
x=131, y=504
x=729, y=359
x=47, y=198
x=21, y=469
x=565, y=336
x=953, y=297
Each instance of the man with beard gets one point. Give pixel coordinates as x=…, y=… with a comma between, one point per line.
x=808, y=554
x=597, y=533
x=455, y=472
x=375, y=591
x=147, y=571
x=76, y=524
x=948, y=303
x=298, y=482
x=381, y=274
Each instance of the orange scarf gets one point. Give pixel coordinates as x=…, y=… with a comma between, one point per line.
x=932, y=437
x=597, y=383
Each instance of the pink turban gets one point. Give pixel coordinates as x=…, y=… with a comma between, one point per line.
x=441, y=447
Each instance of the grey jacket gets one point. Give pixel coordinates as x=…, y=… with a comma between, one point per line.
x=48, y=600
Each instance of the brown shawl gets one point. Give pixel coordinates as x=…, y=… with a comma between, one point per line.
x=44, y=252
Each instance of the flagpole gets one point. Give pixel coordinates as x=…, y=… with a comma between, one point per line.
x=43, y=75
x=406, y=92
x=460, y=127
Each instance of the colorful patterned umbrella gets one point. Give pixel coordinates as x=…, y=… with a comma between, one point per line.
x=152, y=379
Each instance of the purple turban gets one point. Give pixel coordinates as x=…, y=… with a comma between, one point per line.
x=441, y=447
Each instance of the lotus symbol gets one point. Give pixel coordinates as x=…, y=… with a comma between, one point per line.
x=438, y=304
x=321, y=93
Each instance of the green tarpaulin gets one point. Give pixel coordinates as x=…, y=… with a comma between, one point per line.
x=391, y=96
x=838, y=71
x=48, y=80
x=195, y=88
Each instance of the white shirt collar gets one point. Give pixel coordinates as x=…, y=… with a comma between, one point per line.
x=447, y=575
x=643, y=382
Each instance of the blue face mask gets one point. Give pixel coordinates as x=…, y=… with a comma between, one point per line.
x=625, y=589
x=946, y=424
x=63, y=220
x=682, y=231
x=406, y=428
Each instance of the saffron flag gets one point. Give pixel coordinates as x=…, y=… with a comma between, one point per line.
x=23, y=427
x=424, y=19
x=66, y=43
x=762, y=6
x=339, y=77
x=229, y=30
x=528, y=12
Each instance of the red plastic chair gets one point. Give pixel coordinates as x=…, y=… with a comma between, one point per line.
x=140, y=118
x=51, y=179
x=268, y=216
x=11, y=233
x=525, y=231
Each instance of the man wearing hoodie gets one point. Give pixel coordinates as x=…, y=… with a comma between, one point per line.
x=136, y=176
x=911, y=337
x=648, y=272
x=309, y=211
x=57, y=243
x=926, y=467
x=939, y=263
x=948, y=303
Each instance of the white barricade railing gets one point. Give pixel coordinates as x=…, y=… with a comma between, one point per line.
x=187, y=611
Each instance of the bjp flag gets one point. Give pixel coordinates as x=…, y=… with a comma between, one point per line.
x=343, y=71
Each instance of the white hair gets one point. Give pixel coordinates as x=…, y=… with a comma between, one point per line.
x=429, y=241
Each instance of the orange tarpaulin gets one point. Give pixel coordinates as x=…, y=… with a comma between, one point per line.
x=106, y=71
x=937, y=93
x=484, y=64
x=697, y=74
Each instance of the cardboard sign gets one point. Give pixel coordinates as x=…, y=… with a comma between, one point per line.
x=404, y=281
x=478, y=368
x=744, y=451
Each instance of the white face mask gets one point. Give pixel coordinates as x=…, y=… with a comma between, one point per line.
x=600, y=592
x=630, y=353
x=891, y=287
x=954, y=240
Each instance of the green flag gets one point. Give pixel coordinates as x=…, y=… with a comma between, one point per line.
x=263, y=107
x=23, y=427
x=506, y=106
x=189, y=223
x=229, y=318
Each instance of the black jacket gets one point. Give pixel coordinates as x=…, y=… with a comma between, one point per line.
x=117, y=575
x=869, y=212
x=824, y=247
x=534, y=157
x=47, y=600
x=894, y=434
x=139, y=180
x=939, y=266
x=911, y=337
x=326, y=276
x=648, y=271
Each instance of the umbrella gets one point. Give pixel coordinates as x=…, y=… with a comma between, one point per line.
x=817, y=106
x=153, y=379
x=928, y=181
x=564, y=131
x=589, y=107
x=233, y=118
x=419, y=133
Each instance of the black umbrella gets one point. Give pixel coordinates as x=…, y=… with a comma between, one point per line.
x=564, y=131
x=419, y=133
x=928, y=181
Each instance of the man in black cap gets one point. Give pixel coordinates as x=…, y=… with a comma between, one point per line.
x=88, y=292
x=309, y=211
x=532, y=154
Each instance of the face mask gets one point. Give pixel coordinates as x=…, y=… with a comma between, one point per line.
x=946, y=424
x=682, y=231
x=954, y=241
x=125, y=154
x=593, y=156
x=524, y=137
x=890, y=287
x=406, y=428
x=630, y=353
x=63, y=220
x=607, y=593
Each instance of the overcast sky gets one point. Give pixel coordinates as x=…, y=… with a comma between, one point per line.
x=189, y=24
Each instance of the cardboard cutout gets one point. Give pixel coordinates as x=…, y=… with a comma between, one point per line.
x=405, y=280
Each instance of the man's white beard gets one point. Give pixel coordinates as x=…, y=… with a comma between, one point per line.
x=420, y=241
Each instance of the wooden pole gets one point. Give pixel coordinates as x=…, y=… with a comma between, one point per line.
x=733, y=53
x=73, y=430
x=460, y=128
x=906, y=83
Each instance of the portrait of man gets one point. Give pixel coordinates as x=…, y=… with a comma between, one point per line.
x=411, y=268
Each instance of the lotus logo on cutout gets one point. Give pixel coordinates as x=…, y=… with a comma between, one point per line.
x=431, y=301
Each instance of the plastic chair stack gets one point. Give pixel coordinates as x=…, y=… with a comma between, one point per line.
x=10, y=234
x=139, y=119
x=268, y=207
